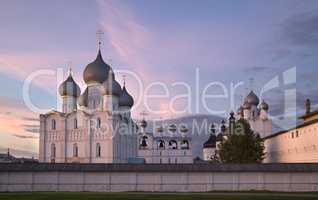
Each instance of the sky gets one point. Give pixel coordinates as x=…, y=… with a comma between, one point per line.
x=171, y=48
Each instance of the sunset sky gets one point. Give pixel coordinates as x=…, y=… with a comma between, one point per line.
x=160, y=41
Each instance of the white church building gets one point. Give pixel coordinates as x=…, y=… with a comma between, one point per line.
x=89, y=129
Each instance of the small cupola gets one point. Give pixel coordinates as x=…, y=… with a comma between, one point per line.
x=125, y=99
x=69, y=87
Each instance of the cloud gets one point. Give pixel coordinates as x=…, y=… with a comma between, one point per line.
x=31, y=128
x=32, y=119
x=25, y=136
x=20, y=124
x=256, y=69
x=301, y=29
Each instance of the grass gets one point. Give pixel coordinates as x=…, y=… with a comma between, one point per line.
x=159, y=196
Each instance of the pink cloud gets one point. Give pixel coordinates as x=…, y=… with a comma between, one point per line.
x=13, y=118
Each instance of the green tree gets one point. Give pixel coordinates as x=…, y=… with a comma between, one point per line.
x=243, y=146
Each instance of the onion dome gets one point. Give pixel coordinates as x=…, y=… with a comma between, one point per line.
x=83, y=99
x=69, y=88
x=125, y=99
x=97, y=71
x=143, y=123
x=252, y=98
x=246, y=105
x=111, y=86
x=172, y=128
x=212, y=128
x=264, y=105
x=211, y=142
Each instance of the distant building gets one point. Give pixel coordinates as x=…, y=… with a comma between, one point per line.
x=8, y=158
x=254, y=112
x=296, y=145
x=167, y=145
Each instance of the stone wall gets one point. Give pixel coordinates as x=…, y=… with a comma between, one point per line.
x=160, y=178
x=297, y=145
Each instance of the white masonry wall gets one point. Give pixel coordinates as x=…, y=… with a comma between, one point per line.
x=159, y=182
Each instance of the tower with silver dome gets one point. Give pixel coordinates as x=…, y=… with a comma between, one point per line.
x=256, y=114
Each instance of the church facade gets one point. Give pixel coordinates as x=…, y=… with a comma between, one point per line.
x=93, y=127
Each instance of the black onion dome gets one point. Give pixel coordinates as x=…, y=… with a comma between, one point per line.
x=211, y=142
x=69, y=88
x=125, y=99
x=264, y=105
x=252, y=98
x=97, y=71
x=83, y=99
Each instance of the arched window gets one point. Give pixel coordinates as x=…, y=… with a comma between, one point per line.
x=98, y=150
x=161, y=144
x=53, y=124
x=75, y=123
x=185, y=144
x=53, y=150
x=99, y=122
x=144, y=142
x=75, y=150
x=173, y=144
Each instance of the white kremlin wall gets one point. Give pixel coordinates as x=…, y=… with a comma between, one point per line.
x=159, y=178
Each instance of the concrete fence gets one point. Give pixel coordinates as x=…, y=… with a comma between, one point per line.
x=158, y=178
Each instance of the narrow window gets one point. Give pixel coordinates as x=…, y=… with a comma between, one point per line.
x=98, y=150
x=53, y=123
x=75, y=123
x=75, y=150
x=98, y=123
